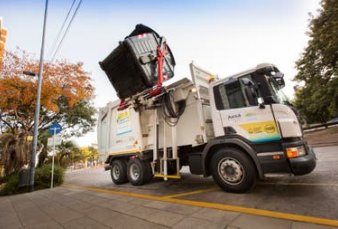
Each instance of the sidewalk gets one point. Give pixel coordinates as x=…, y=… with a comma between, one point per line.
x=71, y=208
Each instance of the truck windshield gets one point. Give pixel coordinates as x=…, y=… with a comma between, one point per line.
x=278, y=94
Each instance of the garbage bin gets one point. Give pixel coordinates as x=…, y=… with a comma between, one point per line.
x=23, y=177
x=132, y=66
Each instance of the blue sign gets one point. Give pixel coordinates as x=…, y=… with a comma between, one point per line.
x=55, y=128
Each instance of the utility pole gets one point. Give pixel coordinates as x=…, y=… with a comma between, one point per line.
x=37, y=107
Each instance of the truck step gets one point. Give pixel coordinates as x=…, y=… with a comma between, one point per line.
x=168, y=176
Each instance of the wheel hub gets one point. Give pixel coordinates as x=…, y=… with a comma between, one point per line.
x=134, y=172
x=116, y=172
x=231, y=171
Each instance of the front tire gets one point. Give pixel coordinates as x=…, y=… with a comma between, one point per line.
x=233, y=170
x=139, y=172
x=118, y=171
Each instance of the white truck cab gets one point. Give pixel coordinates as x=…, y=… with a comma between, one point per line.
x=237, y=129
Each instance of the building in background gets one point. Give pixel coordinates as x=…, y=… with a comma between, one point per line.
x=3, y=36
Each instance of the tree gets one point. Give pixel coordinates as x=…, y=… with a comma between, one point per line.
x=89, y=153
x=68, y=153
x=66, y=97
x=13, y=148
x=317, y=101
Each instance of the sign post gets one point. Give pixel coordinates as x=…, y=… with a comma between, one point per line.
x=52, y=179
x=54, y=129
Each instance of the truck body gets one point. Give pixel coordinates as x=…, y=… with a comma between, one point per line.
x=237, y=129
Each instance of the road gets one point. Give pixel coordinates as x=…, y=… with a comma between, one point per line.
x=314, y=195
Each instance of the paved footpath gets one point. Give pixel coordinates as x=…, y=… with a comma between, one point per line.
x=65, y=207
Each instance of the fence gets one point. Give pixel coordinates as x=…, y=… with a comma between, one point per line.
x=320, y=126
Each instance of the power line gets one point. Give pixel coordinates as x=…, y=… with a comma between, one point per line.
x=66, y=31
x=61, y=29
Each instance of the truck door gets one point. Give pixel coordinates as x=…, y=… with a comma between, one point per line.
x=238, y=112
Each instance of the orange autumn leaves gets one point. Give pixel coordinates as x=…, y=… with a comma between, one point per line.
x=60, y=80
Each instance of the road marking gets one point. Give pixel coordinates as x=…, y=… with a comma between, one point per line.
x=224, y=207
x=259, y=212
x=298, y=184
x=110, y=191
x=191, y=193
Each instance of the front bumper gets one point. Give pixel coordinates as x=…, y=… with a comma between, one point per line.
x=305, y=164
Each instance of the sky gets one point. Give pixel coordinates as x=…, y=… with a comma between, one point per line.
x=223, y=37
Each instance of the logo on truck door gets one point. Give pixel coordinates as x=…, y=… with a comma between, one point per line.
x=235, y=116
x=123, y=122
x=261, y=131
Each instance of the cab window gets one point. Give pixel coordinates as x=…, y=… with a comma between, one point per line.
x=229, y=96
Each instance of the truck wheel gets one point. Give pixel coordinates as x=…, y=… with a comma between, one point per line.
x=233, y=170
x=139, y=171
x=119, y=171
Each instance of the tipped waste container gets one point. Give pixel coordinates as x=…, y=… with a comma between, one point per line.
x=132, y=66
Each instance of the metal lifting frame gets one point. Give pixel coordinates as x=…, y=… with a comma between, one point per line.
x=161, y=52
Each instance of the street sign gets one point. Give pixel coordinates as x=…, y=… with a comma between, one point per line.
x=57, y=140
x=55, y=128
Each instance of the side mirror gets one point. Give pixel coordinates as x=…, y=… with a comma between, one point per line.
x=279, y=78
x=261, y=103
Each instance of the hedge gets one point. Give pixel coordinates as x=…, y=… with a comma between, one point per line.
x=42, y=180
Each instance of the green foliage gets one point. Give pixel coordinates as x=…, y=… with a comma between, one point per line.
x=43, y=176
x=317, y=101
x=80, y=118
x=11, y=185
x=75, y=121
x=42, y=180
x=89, y=153
x=68, y=152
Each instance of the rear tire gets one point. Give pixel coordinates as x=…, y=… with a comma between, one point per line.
x=139, y=172
x=118, y=171
x=233, y=170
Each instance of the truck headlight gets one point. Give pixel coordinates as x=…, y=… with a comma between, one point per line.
x=293, y=152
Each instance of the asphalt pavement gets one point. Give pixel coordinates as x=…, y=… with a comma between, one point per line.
x=314, y=195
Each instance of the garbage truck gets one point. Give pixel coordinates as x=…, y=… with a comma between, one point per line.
x=238, y=129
